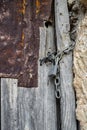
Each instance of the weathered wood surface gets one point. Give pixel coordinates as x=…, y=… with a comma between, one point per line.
x=8, y=104
x=68, y=121
x=30, y=108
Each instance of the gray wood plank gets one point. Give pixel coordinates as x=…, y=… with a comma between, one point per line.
x=46, y=86
x=26, y=109
x=68, y=121
x=8, y=104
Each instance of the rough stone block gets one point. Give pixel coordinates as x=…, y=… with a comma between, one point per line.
x=80, y=70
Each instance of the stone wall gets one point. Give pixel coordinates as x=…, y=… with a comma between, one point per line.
x=80, y=71
x=84, y=2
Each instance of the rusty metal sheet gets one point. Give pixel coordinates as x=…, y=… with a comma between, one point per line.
x=19, y=38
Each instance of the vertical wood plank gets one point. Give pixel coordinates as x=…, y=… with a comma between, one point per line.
x=46, y=92
x=68, y=121
x=26, y=108
x=8, y=104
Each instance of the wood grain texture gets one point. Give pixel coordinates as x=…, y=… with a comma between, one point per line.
x=68, y=121
x=46, y=92
x=8, y=104
x=31, y=108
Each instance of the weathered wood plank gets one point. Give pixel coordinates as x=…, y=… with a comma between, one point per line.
x=9, y=104
x=26, y=109
x=68, y=121
x=47, y=87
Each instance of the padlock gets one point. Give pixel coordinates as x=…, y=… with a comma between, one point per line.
x=54, y=69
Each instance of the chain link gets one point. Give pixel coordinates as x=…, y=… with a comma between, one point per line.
x=57, y=87
x=55, y=58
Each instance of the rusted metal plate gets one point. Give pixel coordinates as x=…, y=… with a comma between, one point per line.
x=19, y=38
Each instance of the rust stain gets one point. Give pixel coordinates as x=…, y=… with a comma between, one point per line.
x=37, y=6
x=21, y=6
x=22, y=10
x=24, y=7
x=19, y=39
x=22, y=39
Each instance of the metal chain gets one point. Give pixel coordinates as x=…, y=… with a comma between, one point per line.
x=55, y=59
x=66, y=50
x=57, y=86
